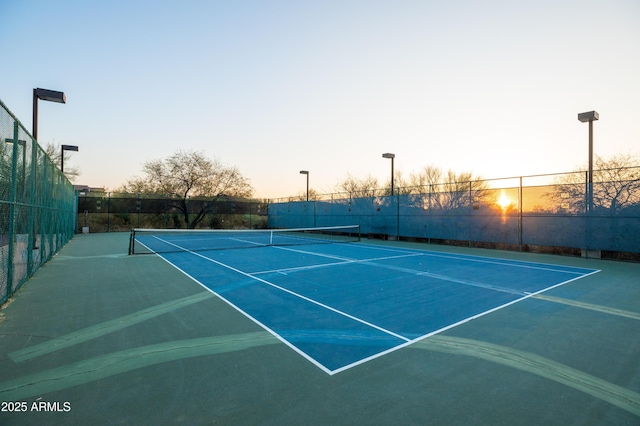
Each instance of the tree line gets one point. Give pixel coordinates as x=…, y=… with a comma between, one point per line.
x=189, y=174
x=616, y=187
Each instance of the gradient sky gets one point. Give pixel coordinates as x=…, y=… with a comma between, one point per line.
x=275, y=87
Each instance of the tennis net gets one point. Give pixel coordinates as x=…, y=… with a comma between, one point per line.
x=145, y=241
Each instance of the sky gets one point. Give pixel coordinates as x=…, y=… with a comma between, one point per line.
x=275, y=87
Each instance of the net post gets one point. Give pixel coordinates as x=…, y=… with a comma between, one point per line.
x=358, y=233
x=131, y=238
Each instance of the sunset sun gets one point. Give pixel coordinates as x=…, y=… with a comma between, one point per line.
x=504, y=202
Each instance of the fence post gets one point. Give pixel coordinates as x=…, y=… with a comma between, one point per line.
x=470, y=205
x=32, y=202
x=12, y=208
x=520, y=214
x=398, y=214
x=44, y=188
x=429, y=214
x=590, y=249
x=108, y=211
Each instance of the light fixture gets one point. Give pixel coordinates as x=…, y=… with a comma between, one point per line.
x=392, y=157
x=45, y=95
x=306, y=172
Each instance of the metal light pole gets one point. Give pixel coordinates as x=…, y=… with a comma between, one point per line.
x=45, y=95
x=66, y=148
x=392, y=157
x=590, y=117
x=306, y=172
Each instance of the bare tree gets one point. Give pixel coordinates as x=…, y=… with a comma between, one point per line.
x=302, y=195
x=616, y=186
x=617, y=183
x=426, y=180
x=186, y=175
x=358, y=188
x=55, y=155
x=447, y=191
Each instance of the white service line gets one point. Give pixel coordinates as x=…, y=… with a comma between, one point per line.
x=295, y=294
x=342, y=261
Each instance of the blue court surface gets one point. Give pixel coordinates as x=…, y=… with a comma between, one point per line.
x=340, y=305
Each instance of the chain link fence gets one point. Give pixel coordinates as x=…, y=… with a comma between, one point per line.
x=550, y=213
x=37, y=205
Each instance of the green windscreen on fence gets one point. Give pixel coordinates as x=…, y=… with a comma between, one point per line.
x=37, y=205
x=113, y=212
x=532, y=212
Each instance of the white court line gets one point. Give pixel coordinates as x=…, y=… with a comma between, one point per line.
x=246, y=274
x=456, y=324
x=344, y=261
x=407, y=253
x=371, y=262
x=482, y=259
x=255, y=320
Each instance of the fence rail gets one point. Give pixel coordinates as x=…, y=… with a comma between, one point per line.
x=550, y=211
x=529, y=212
x=109, y=212
x=37, y=205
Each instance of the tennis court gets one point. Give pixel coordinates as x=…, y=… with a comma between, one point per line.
x=369, y=332
x=341, y=304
